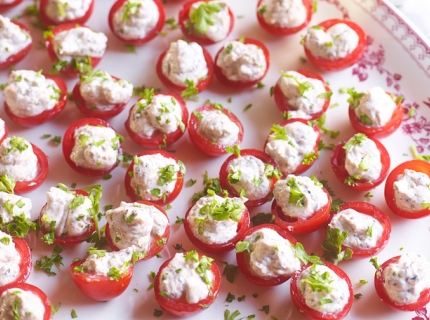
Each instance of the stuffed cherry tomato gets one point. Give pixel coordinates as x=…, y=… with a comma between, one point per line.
x=246, y=67
x=285, y=17
x=32, y=98
x=155, y=176
x=297, y=139
x=200, y=271
x=91, y=147
x=7, y=4
x=157, y=120
x=302, y=94
x=406, y=189
x=218, y=12
x=136, y=22
x=249, y=173
x=4, y=130
x=128, y=224
x=55, y=12
x=16, y=42
x=402, y=282
x=361, y=163
x=212, y=128
x=185, y=65
x=335, y=44
x=330, y=300
x=301, y=204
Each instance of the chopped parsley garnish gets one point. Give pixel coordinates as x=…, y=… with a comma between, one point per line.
x=362, y=281
x=358, y=295
x=242, y=246
x=364, y=119
x=354, y=97
x=191, y=182
x=262, y=218
x=231, y=316
x=7, y=183
x=320, y=123
x=364, y=163
x=332, y=246
x=309, y=158
x=158, y=313
x=130, y=8
x=233, y=149
x=130, y=48
x=73, y=313
x=357, y=139
x=203, y=16
x=46, y=263
x=303, y=86
x=265, y=309
x=205, y=264
x=279, y=133
x=230, y=297
x=247, y=107
x=318, y=281
x=352, y=180
x=190, y=91
x=229, y=271
x=179, y=247
x=374, y=262
x=171, y=22
x=296, y=196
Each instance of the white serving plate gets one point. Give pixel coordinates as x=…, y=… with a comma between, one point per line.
x=398, y=59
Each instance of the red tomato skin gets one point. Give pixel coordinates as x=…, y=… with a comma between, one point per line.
x=151, y=34
x=47, y=21
x=156, y=140
x=131, y=193
x=154, y=248
x=350, y=59
x=34, y=290
x=337, y=161
x=45, y=115
x=180, y=307
x=239, y=85
x=9, y=5
x=184, y=15
x=423, y=300
x=21, y=54
x=302, y=167
x=223, y=174
x=25, y=262
x=285, y=31
x=204, y=145
x=100, y=287
x=416, y=165
x=201, y=85
x=311, y=314
x=282, y=103
x=302, y=226
x=69, y=142
x=242, y=258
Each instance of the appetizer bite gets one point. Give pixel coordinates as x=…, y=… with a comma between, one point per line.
x=55, y=12
x=7, y=4
x=16, y=41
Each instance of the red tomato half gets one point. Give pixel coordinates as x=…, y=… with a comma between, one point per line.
x=242, y=258
x=100, y=287
x=47, y=21
x=24, y=264
x=422, y=301
x=45, y=115
x=416, y=165
x=189, y=32
x=350, y=59
x=313, y=314
x=34, y=290
x=21, y=54
x=337, y=161
x=225, y=184
x=150, y=35
x=131, y=193
x=201, y=142
x=154, y=248
x=282, y=102
x=180, y=307
x=6, y=6
x=285, y=31
x=69, y=142
x=238, y=85
x=159, y=139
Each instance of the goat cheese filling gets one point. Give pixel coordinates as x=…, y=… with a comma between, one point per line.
x=9, y=259
x=12, y=205
x=20, y=304
x=283, y=13
x=67, y=10
x=217, y=127
x=13, y=39
x=108, y=263
x=411, y=190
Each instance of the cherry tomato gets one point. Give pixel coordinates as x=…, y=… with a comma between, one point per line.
x=416, y=165
x=309, y=313
x=24, y=252
x=192, y=35
x=284, y=31
x=45, y=115
x=201, y=142
x=13, y=59
x=131, y=193
x=180, y=307
x=69, y=142
x=282, y=102
x=159, y=139
x=155, y=246
x=225, y=184
x=238, y=84
x=337, y=161
x=350, y=59
x=47, y=21
x=12, y=4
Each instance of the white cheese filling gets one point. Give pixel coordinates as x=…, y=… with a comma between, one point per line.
x=217, y=127
x=20, y=304
x=67, y=10
x=411, y=190
x=13, y=205
x=364, y=160
x=220, y=21
x=135, y=224
x=363, y=230
x=242, y=62
x=104, y=263
x=184, y=61
x=135, y=19
x=337, y=42
x=29, y=93
x=12, y=39
x=9, y=259
x=95, y=147
x=283, y=13
x=407, y=278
